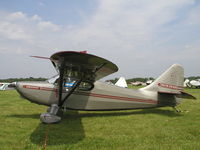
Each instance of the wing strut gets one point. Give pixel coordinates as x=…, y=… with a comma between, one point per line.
x=67, y=83
x=61, y=70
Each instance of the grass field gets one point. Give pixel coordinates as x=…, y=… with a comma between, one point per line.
x=150, y=129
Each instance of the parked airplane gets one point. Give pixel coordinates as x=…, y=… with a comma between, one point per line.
x=149, y=82
x=195, y=83
x=5, y=86
x=138, y=83
x=192, y=83
x=77, y=87
x=186, y=83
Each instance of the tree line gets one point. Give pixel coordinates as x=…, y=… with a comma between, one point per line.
x=22, y=79
x=146, y=79
x=110, y=80
x=131, y=80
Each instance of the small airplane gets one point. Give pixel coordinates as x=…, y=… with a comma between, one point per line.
x=77, y=87
x=5, y=86
x=192, y=83
x=149, y=82
x=195, y=83
x=186, y=83
x=138, y=83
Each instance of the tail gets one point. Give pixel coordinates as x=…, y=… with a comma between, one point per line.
x=170, y=82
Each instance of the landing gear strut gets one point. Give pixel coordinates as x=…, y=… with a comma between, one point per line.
x=51, y=117
x=70, y=77
x=67, y=83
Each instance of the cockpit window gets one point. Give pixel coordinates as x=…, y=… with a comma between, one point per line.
x=86, y=86
x=53, y=79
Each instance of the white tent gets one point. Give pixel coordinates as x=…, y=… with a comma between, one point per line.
x=121, y=82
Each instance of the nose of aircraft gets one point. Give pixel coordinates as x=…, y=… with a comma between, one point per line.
x=19, y=87
x=30, y=90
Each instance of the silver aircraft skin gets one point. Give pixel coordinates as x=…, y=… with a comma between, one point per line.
x=167, y=90
x=101, y=97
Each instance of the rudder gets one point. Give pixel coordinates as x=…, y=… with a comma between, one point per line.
x=171, y=81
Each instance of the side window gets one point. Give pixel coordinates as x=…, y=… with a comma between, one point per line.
x=86, y=86
x=54, y=79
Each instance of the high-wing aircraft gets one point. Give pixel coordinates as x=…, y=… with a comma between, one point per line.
x=77, y=87
x=5, y=86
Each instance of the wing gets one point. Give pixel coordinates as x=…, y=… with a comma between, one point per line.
x=90, y=66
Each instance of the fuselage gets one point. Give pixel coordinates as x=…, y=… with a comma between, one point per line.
x=102, y=97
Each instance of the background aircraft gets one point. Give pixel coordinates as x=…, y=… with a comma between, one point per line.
x=5, y=86
x=195, y=83
x=192, y=83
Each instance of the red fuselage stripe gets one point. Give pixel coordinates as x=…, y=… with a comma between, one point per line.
x=94, y=95
x=116, y=97
x=169, y=86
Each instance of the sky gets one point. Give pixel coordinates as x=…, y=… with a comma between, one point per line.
x=143, y=38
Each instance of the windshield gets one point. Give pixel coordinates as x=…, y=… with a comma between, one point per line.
x=85, y=86
x=53, y=79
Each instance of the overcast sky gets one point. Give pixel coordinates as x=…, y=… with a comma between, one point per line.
x=143, y=37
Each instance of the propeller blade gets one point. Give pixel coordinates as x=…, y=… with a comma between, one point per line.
x=40, y=57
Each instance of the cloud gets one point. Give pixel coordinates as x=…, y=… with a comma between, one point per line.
x=128, y=23
x=193, y=16
x=12, y=31
x=36, y=18
x=47, y=25
x=27, y=32
x=41, y=4
x=133, y=34
x=16, y=16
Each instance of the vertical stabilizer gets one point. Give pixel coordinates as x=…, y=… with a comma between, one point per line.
x=171, y=81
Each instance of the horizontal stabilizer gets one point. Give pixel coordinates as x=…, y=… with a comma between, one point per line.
x=181, y=95
x=185, y=95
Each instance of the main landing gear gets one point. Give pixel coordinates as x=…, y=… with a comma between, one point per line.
x=55, y=109
x=50, y=116
x=70, y=77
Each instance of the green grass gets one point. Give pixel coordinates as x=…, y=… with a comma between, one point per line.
x=148, y=129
